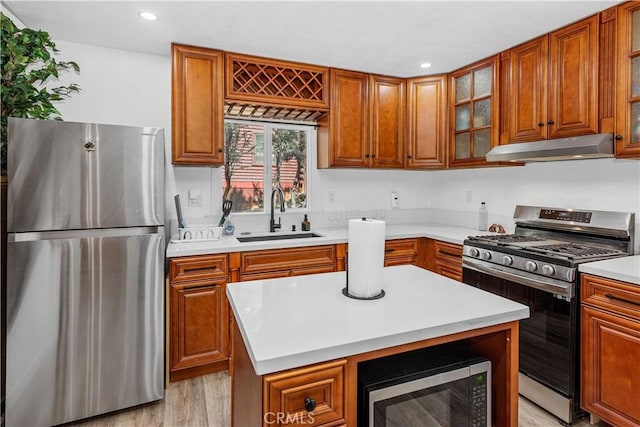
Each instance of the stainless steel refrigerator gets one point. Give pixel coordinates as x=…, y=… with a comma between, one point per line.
x=85, y=276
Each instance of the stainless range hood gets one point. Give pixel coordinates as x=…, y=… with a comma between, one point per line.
x=580, y=147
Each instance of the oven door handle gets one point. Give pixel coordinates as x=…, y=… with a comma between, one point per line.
x=562, y=290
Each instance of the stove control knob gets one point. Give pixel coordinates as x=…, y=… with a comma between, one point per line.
x=507, y=260
x=474, y=252
x=530, y=266
x=548, y=270
x=486, y=255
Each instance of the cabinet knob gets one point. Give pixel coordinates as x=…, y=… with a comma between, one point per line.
x=367, y=156
x=618, y=137
x=540, y=124
x=409, y=156
x=550, y=122
x=373, y=156
x=309, y=404
x=220, y=150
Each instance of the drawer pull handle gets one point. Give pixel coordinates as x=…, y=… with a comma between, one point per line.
x=309, y=404
x=622, y=299
x=389, y=250
x=449, y=254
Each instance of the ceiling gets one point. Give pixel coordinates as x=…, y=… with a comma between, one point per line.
x=385, y=37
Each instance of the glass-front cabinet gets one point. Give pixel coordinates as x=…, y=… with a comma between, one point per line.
x=628, y=86
x=473, y=113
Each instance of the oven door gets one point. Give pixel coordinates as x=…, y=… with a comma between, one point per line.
x=548, y=338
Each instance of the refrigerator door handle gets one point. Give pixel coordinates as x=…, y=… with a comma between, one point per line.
x=80, y=234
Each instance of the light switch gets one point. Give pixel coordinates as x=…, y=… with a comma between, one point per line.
x=195, y=198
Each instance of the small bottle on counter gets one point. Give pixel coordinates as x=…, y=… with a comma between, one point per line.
x=483, y=217
x=228, y=227
x=306, y=225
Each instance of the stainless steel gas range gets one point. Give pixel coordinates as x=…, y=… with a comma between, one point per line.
x=538, y=266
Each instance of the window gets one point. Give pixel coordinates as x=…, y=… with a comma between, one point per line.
x=261, y=156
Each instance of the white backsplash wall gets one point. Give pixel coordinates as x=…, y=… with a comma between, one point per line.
x=602, y=184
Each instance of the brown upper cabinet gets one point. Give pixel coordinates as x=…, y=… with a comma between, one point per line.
x=473, y=112
x=628, y=81
x=554, y=84
x=197, y=106
x=266, y=81
x=427, y=122
x=365, y=125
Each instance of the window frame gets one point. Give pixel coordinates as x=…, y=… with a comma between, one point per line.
x=267, y=167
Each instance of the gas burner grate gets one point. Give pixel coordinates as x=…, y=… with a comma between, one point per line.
x=572, y=250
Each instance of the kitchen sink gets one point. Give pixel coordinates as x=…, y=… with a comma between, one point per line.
x=276, y=237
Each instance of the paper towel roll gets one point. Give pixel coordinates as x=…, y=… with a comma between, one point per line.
x=365, y=257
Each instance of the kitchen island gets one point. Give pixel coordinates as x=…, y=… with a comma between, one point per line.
x=300, y=336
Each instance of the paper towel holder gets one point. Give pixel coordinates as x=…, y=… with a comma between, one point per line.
x=345, y=290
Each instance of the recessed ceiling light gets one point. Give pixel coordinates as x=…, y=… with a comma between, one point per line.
x=148, y=16
x=425, y=65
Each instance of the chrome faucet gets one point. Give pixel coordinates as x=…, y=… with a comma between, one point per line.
x=272, y=224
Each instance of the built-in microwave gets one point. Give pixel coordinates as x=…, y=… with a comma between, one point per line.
x=446, y=385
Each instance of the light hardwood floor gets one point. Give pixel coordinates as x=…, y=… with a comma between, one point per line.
x=205, y=401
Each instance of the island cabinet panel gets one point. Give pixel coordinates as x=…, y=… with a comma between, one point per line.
x=628, y=78
x=312, y=395
x=611, y=350
x=269, y=264
x=197, y=106
x=554, y=84
x=400, y=251
x=427, y=122
x=198, y=316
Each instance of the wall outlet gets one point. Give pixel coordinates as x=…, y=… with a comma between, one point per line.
x=468, y=196
x=332, y=196
x=395, y=200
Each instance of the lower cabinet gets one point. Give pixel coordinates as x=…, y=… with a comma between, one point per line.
x=610, y=341
x=312, y=395
x=198, y=316
x=269, y=264
x=400, y=251
x=448, y=260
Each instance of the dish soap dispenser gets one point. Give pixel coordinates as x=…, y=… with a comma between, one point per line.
x=306, y=225
x=483, y=218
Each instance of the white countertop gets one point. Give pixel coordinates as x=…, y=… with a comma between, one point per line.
x=297, y=321
x=625, y=269
x=447, y=233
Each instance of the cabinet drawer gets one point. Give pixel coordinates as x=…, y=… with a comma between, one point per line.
x=321, y=387
x=200, y=267
x=403, y=248
x=448, y=270
x=611, y=295
x=288, y=260
x=448, y=251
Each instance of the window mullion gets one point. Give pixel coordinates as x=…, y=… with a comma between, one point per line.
x=267, y=160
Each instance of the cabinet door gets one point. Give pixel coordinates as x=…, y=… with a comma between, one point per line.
x=628, y=81
x=473, y=113
x=573, y=82
x=610, y=368
x=427, y=114
x=528, y=92
x=199, y=324
x=197, y=106
x=349, y=143
x=387, y=121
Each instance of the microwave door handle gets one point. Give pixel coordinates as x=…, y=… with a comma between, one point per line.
x=565, y=291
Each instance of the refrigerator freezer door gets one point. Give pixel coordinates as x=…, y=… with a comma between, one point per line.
x=65, y=175
x=85, y=328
